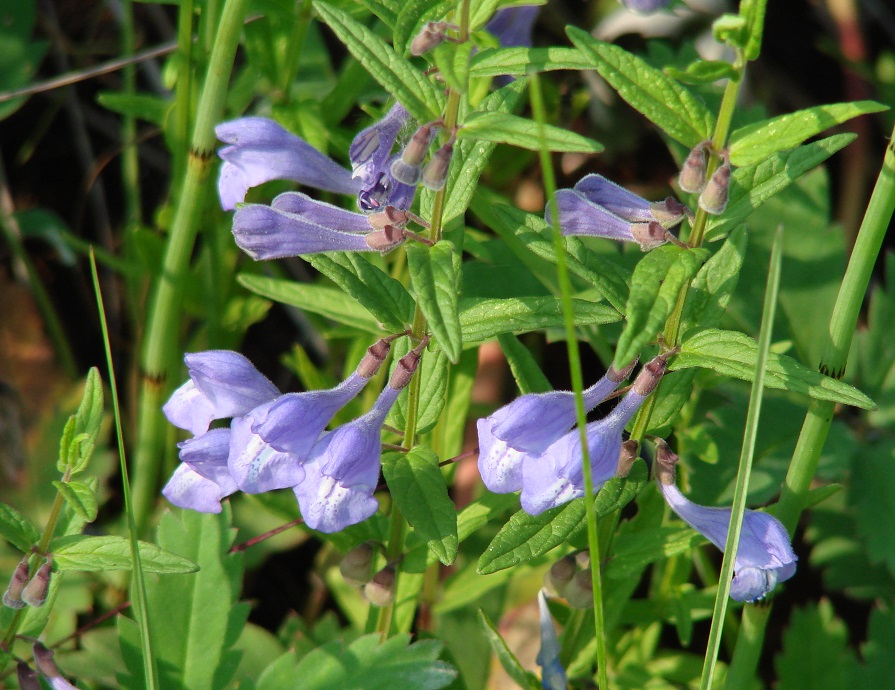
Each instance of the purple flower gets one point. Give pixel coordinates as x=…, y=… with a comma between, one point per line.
x=528, y=425
x=372, y=147
x=222, y=384
x=261, y=150
x=645, y=6
x=600, y=208
x=764, y=554
x=512, y=26
x=343, y=470
x=556, y=477
x=203, y=479
x=270, y=443
x=553, y=675
x=295, y=224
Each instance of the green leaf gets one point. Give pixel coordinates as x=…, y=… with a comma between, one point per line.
x=713, y=286
x=526, y=372
x=418, y=487
x=401, y=79
x=751, y=186
x=753, y=12
x=522, y=132
x=485, y=318
x=752, y=144
x=815, y=650
x=514, y=669
x=368, y=662
x=666, y=103
x=517, y=62
x=95, y=554
x=632, y=551
x=435, y=276
x=528, y=233
x=873, y=480
x=412, y=16
x=17, y=529
x=433, y=373
x=703, y=72
x=386, y=10
x=21, y=55
x=876, y=671
x=473, y=155
x=90, y=412
x=452, y=61
x=143, y=106
x=658, y=278
x=526, y=537
x=318, y=299
x=733, y=354
x=383, y=296
x=80, y=498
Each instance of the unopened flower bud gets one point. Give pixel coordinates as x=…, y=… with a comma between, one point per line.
x=430, y=37
x=666, y=459
x=388, y=216
x=356, y=565
x=406, y=366
x=692, y=176
x=619, y=375
x=580, y=590
x=383, y=241
x=627, y=457
x=669, y=212
x=713, y=199
x=376, y=354
x=12, y=597
x=381, y=589
x=28, y=679
x=649, y=235
x=651, y=374
x=43, y=659
x=436, y=170
x=35, y=592
x=560, y=575
x=406, y=169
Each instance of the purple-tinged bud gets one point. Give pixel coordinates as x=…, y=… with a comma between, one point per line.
x=406, y=169
x=407, y=366
x=651, y=374
x=560, y=575
x=27, y=677
x=430, y=37
x=713, y=199
x=12, y=597
x=381, y=589
x=666, y=459
x=580, y=590
x=649, y=235
x=386, y=239
x=619, y=375
x=436, y=170
x=356, y=565
x=372, y=361
x=692, y=176
x=43, y=659
x=389, y=216
x=669, y=212
x=627, y=457
x=35, y=592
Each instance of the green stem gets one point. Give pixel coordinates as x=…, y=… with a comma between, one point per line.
x=565, y=286
x=820, y=413
x=296, y=43
x=183, y=93
x=745, y=467
x=164, y=310
x=130, y=160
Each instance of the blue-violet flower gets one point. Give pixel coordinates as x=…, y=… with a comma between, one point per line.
x=764, y=554
x=553, y=675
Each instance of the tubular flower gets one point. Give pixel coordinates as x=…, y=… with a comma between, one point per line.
x=764, y=554
x=553, y=675
x=343, y=469
x=512, y=26
x=530, y=424
x=600, y=208
x=372, y=147
x=260, y=150
x=203, y=479
x=556, y=477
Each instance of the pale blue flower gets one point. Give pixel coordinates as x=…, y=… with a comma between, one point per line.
x=512, y=26
x=203, y=478
x=553, y=675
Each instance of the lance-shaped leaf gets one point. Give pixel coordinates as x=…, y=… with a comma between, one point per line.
x=667, y=104
x=401, y=79
x=658, y=279
x=435, y=276
x=751, y=186
x=433, y=374
x=503, y=128
x=513, y=667
x=633, y=551
x=713, y=286
x=93, y=554
x=733, y=354
x=418, y=487
x=753, y=143
x=17, y=529
x=519, y=61
x=80, y=498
